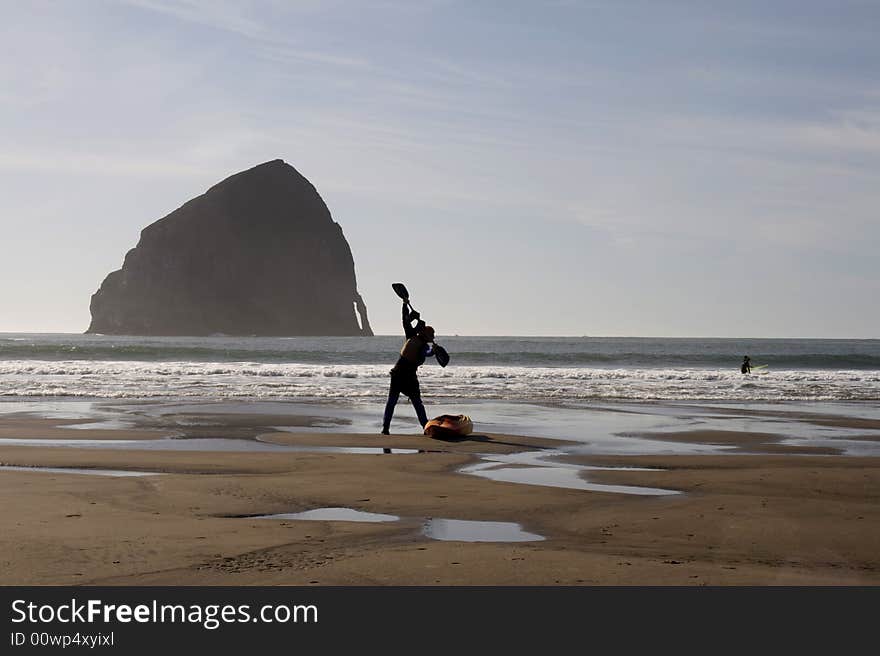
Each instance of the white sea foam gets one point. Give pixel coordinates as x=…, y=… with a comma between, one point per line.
x=151, y=379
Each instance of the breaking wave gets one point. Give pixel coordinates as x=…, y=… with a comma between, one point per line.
x=186, y=379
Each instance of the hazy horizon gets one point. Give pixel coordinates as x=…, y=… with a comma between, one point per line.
x=440, y=337
x=533, y=169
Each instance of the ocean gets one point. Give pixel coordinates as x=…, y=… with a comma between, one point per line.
x=552, y=370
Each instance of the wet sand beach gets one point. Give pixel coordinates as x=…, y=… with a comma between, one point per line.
x=763, y=511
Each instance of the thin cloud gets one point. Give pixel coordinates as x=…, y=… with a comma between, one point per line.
x=207, y=13
x=231, y=17
x=282, y=53
x=103, y=164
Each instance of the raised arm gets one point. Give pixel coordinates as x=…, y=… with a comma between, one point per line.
x=408, y=318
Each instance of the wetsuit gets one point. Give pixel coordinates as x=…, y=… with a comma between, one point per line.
x=404, y=375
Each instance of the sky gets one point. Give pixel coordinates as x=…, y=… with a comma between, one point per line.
x=625, y=168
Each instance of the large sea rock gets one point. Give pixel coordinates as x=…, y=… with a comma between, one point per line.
x=257, y=254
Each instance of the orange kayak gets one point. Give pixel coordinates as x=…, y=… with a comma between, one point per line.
x=449, y=426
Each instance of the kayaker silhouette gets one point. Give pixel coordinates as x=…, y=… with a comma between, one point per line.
x=746, y=367
x=404, y=375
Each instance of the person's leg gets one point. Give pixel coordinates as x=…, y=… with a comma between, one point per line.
x=415, y=397
x=393, y=395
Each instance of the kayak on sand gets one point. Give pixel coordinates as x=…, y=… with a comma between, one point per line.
x=449, y=426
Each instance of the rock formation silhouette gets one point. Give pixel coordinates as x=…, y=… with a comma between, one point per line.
x=257, y=254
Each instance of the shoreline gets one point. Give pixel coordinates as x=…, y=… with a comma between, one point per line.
x=739, y=518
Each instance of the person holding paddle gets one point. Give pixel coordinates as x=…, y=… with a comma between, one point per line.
x=404, y=375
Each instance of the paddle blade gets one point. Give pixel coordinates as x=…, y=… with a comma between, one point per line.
x=400, y=289
x=442, y=355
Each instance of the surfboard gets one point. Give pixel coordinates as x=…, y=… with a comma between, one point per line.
x=758, y=366
x=449, y=426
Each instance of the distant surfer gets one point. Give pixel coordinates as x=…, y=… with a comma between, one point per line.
x=746, y=367
x=404, y=375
